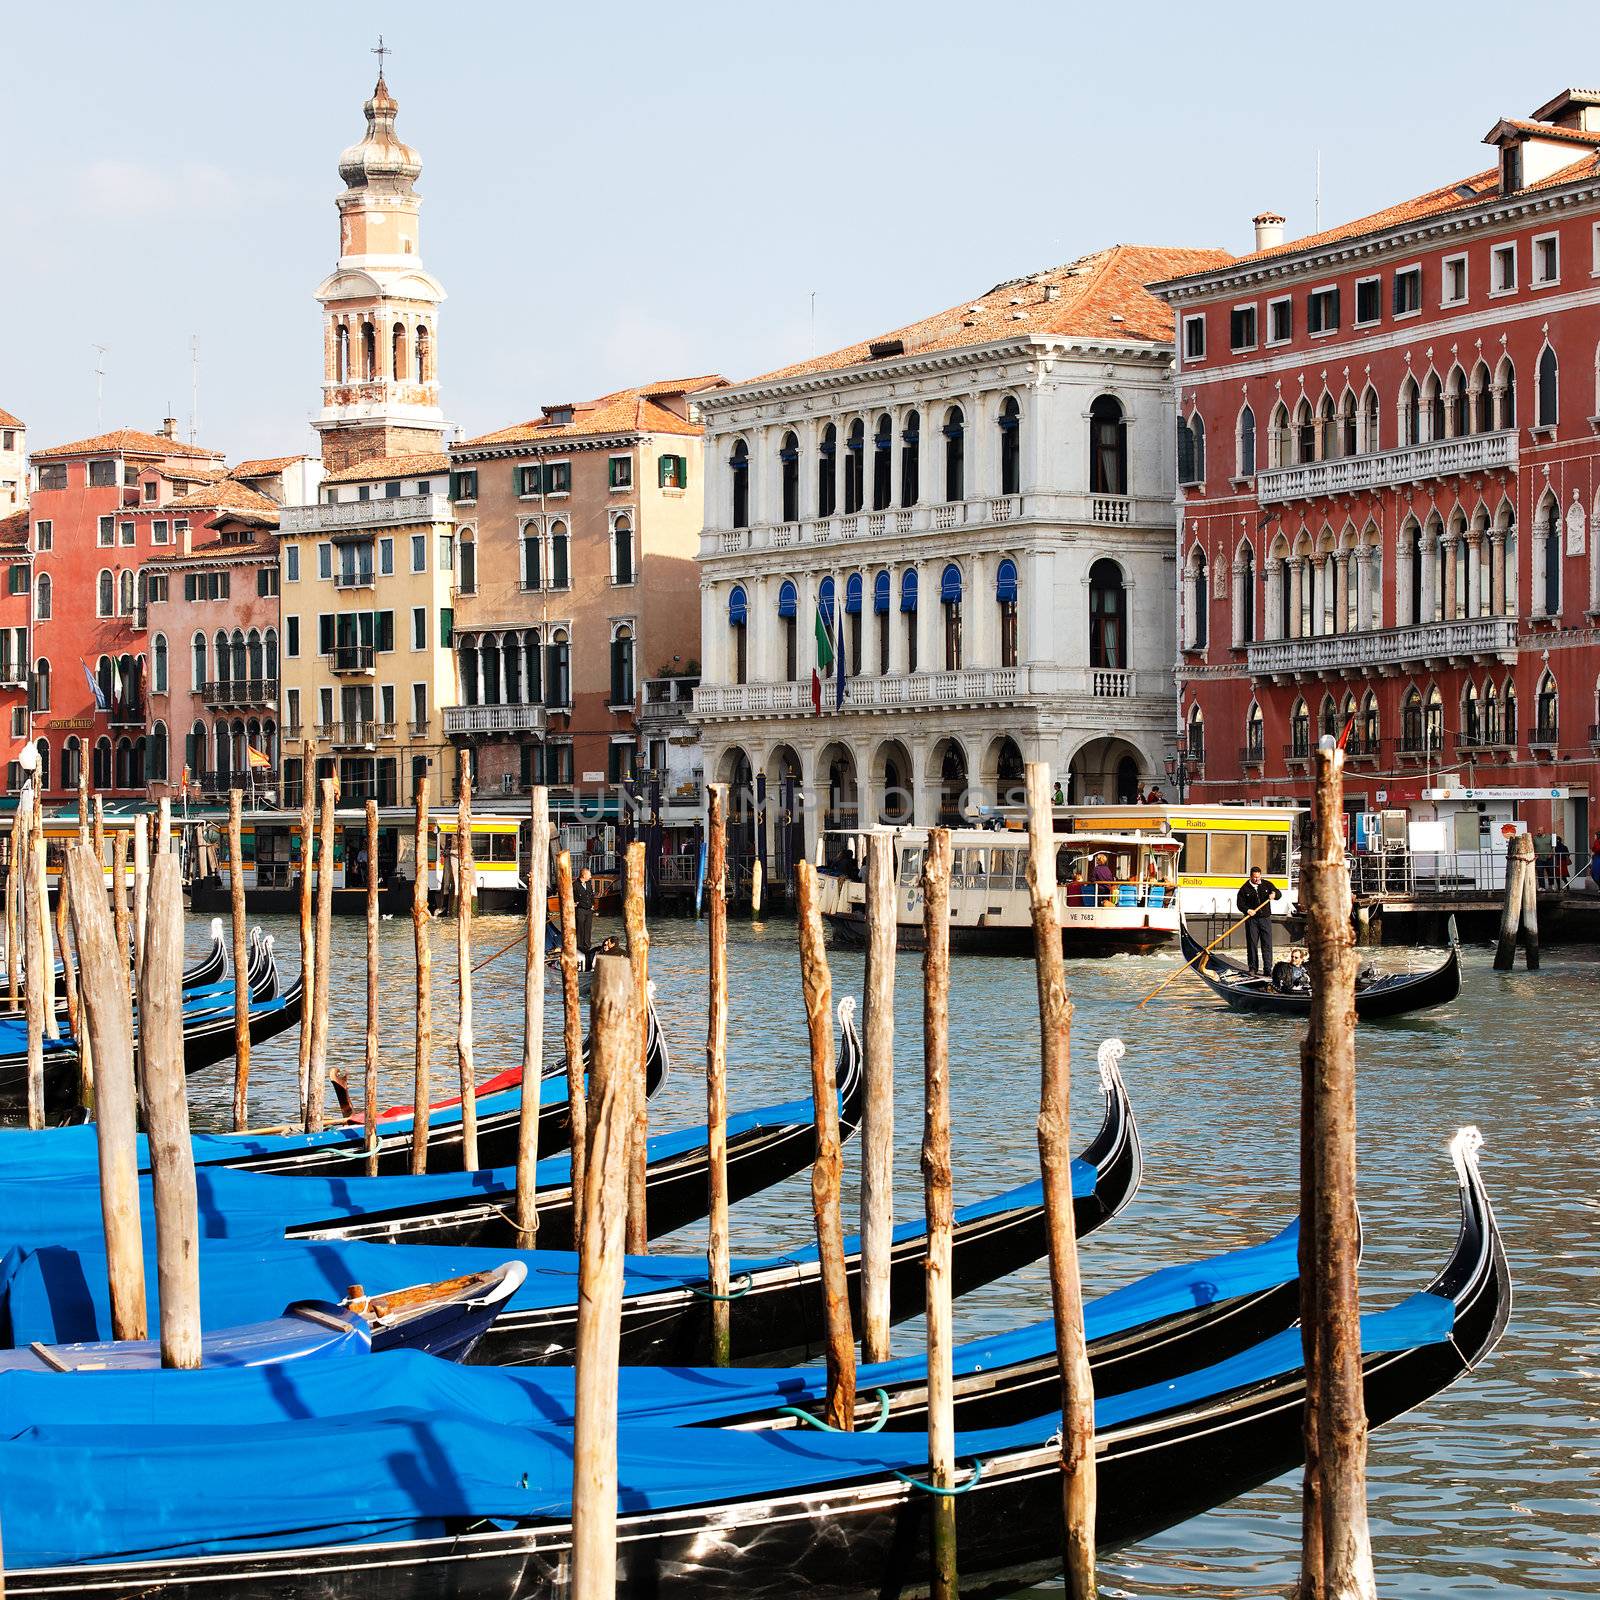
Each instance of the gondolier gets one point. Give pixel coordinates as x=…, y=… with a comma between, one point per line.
x=1256, y=893
x=583, y=908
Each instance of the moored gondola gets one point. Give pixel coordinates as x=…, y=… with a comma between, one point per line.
x=1395, y=994
x=433, y=1497
x=212, y=967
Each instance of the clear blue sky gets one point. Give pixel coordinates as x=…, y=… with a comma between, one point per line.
x=620, y=193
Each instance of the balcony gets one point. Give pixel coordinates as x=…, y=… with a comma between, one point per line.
x=242, y=692
x=1544, y=736
x=13, y=675
x=1413, y=463
x=460, y=720
x=417, y=728
x=354, y=735
x=356, y=514
x=127, y=713
x=358, y=660
x=355, y=578
x=1253, y=755
x=668, y=702
x=1385, y=648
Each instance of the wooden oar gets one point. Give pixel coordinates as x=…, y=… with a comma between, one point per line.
x=1192, y=959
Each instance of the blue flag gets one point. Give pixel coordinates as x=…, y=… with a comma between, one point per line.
x=100, y=701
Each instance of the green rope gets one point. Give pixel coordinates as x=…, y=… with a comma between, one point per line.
x=933, y=1488
x=736, y=1294
x=827, y=1427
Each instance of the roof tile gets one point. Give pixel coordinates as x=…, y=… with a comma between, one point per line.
x=128, y=441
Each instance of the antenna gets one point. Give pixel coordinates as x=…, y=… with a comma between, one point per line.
x=100, y=384
x=194, y=387
x=813, y=322
x=1317, y=203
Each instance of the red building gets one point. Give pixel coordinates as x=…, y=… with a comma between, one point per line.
x=15, y=606
x=1389, y=463
x=95, y=518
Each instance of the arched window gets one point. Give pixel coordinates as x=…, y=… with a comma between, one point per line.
x=622, y=686
x=1409, y=577
x=125, y=587
x=738, y=627
x=826, y=596
x=224, y=657
x=853, y=595
x=1108, y=447
x=558, y=670
x=855, y=467
x=1370, y=431
x=1411, y=722
x=1247, y=443
x=1471, y=715
x=1010, y=446
x=532, y=564
x=1255, y=736
x=41, y=684
x=1349, y=723
x=341, y=359
x=950, y=601
x=1305, y=432
x=41, y=610
x=1197, y=737
x=272, y=653
x=106, y=677
x=71, y=762
x=1327, y=429
x=908, y=611
x=789, y=475
x=424, y=354
x=466, y=562
x=158, y=664
x=101, y=776
x=1369, y=724
x=1482, y=396
x=43, y=749
x=1279, y=446
x=369, y=352
x=1197, y=618
x=1244, y=594
x=1548, y=547
x=1299, y=732
x=1349, y=431
x=1546, y=713
x=1191, y=449
x=883, y=463
x=1108, y=606
x=1506, y=385
x=1458, y=409
x=1328, y=718
x=1547, y=407
x=955, y=454
x=882, y=598
x=198, y=675
x=739, y=466
x=1005, y=593
x=253, y=656
x=1410, y=412
x=106, y=595
x=788, y=623
x=622, y=566
x=1433, y=405
x=397, y=352
x=1491, y=714
x=911, y=460
x=1434, y=727
x=827, y=467
x=156, y=754
x=1509, y=717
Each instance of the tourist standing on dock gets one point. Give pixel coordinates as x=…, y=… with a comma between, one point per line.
x=1254, y=893
x=583, y=907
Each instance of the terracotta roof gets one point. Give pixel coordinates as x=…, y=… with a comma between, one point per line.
x=14, y=528
x=224, y=495
x=129, y=441
x=621, y=411
x=9, y=421
x=215, y=550
x=266, y=467
x=1462, y=195
x=411, y=466
x=1543, y=130
x=1098, y=296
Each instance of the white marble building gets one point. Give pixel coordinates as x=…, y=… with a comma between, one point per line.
x=987, y=494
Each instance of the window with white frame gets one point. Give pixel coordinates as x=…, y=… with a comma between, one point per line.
x=622, y=563
x=1546, y=259
x=1453, y=281
x=1242, y=328
x=1503, y=269
x=1407, y=291
x=419, y=552
x=324, y=560
x=106, y=534
x=419, y=627
x=44, y=533
x=1280, y=320
x=1194, y=338
x=1322, y=311
x=1369, y=301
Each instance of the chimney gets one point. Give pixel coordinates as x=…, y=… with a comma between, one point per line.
x=168, y=428
x=1269, y=230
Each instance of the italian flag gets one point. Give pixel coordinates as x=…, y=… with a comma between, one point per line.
x=824, y=662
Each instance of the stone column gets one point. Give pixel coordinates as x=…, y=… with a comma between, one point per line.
x=1497, y=572
x=1274, y=617
x=1296, y=565
x=1341, y=592
x=1429, y=546
x=1372, y=606
x=1474, y=573
x=1239, y=639
x=1448, y=545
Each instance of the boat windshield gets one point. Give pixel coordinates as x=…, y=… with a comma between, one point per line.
x=1117, y=872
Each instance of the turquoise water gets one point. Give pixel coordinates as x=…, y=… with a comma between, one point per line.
x=1492, y=1488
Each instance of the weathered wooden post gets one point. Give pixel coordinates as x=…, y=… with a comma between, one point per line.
x=308, y=963
x=1337, y=1556
x=716, y=891
x=877, y=1120
x=826, y=1170
x=1530, y=910
x=317, y=1077
x=83, y=801
x=600, y=1273
x=164, y=827
x=1519, y=868
x=108, y=1020
x=572, y=1040
x=465, y=891
x=119, y=893
x=69, y=973
x=41, y=906
x=940, y=1207
x=15, y=955
x=141, y=890
x=369, y=1082
x=167, y=1115
x=533, y=1023
x=421, y=1083
x=639, y=959
x=1078, y=1487
x=39, y=991
x=99, y=835
x=241, y=964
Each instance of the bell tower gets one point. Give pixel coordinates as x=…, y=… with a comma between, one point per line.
x=380, y=353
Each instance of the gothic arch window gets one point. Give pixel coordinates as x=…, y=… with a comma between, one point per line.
x=789, y=476
x=1409, y=576
x=224, y=657
x=1481, y=395
x=1196, y=741
x=1548, y=390
x=1546, y=712
x=1299, y=731
x=198, y=646
x=950, y=604
x=1305, y=432
x=1410, y=412
x=106, y=594
x=1197, y=611
x=1547, y=553
x=1279, y=451
x=255, y=656
x=739, y=470
x=1349, y=425
x=41, y=684
x=1411, y=721
x=271, y=643
x=1191, y=449
x=1329, y=718
x=1108, y=446
x=1434, y=727
x=827, y=464
x=955, y=454
x=1327, y=429
x=41, y=610
x=158, y=661
x=1010, y=446
x=1255, y=735
x=1369, y=724
x=1370, y=431
x=1108, y=620
x=1349, y=721
x=1509, y=717
x=622, y=673
x=1005, y=593
x=1505, y=381
x=883, y=463
x=622, y=563
x=1246, y=453
x=71, y=762
x=789, y=627
x=1471, y=715
x=369, y=352
x=558, y=670
x=341, y=356
x=1433, y=405
x=156, y=763
x=397, y=352
x=43, y=749
x=1491, y=714
x=1244, y=600
x=101, y=776
x=1458, y=404
x=424, y=354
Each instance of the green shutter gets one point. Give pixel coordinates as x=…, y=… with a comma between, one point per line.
x=446, y=626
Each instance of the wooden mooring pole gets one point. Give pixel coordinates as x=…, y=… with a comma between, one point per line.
x=141, y=892
x=241, y=964
x=108, y=1020
x=572, y=1041
x=877, y=1120
x=1337, y=1548
x=600, y=1274
x=69, y=973
x=119, y=895
x=317, y=1073
x=716, y=896
x=1078, y=1485
x=308, y=963
x=421, y=1083
x=369, y=1079
x=39, y=991
x=639, y=959
x=533, y=1022
x=41, y=908
x=16, y=957
x=167, y=1114
x=939, y=1201
x=1521, y=901
x=466, y=889
x=817, y=984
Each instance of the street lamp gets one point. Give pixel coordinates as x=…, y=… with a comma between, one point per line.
x=1177, y=764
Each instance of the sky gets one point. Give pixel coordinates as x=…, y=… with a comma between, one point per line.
x=617, y=194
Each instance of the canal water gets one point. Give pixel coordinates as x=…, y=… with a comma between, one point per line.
x=1491, y=1488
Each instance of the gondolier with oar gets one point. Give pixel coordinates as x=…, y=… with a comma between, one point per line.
x=1254, y=901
